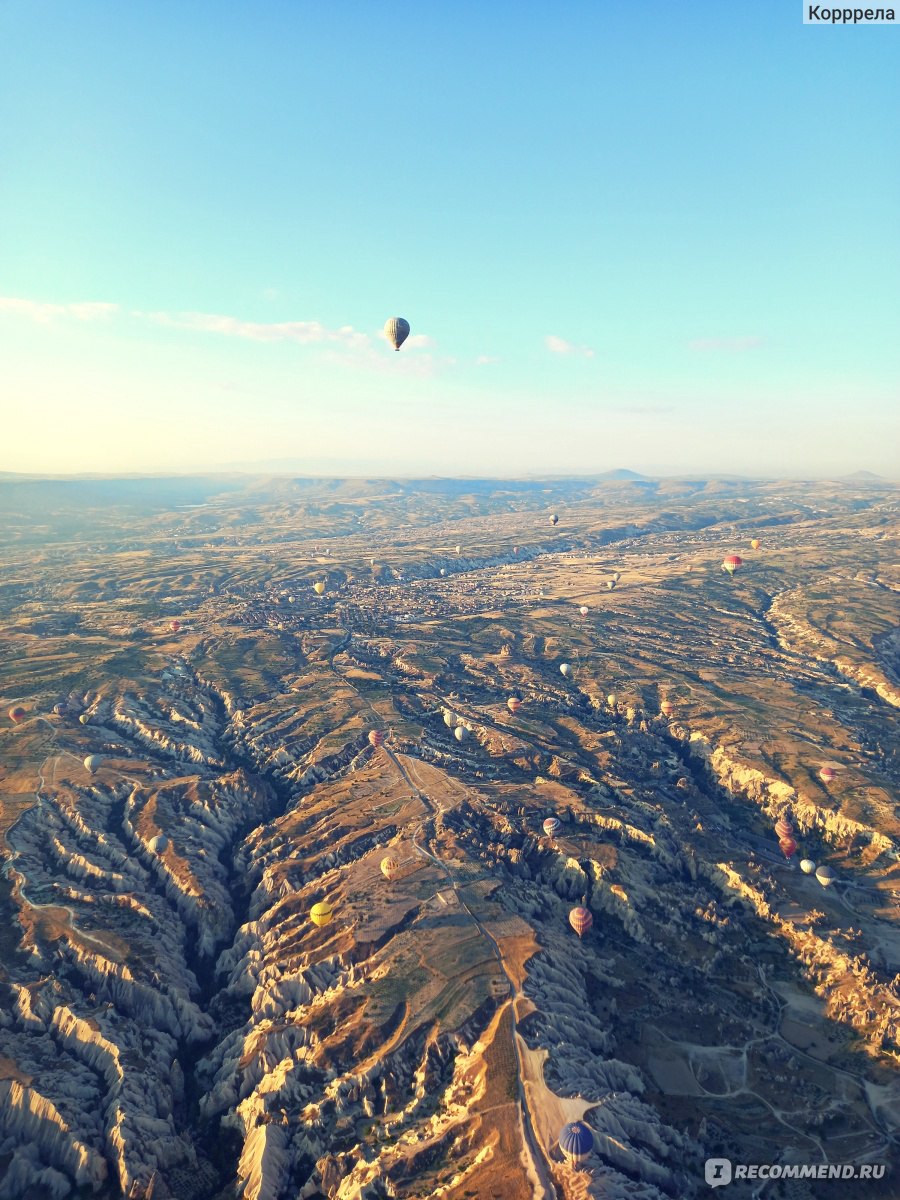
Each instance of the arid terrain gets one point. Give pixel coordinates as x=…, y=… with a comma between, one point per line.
x=173, y=1024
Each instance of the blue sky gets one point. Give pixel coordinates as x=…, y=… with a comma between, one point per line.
x=633, y=234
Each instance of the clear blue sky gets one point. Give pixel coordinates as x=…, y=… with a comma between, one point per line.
x=644, y=234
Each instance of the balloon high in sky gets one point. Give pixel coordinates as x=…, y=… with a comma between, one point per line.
x=615, y=247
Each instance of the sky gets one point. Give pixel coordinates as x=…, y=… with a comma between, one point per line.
x=625, y=233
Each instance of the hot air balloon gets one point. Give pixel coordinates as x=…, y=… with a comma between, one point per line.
x=584, y=610
x=321, y=913
x=828, y=774
x=515, y=549
x=443, y=572
x=175, y=626
x=825, y=876
x=92, y=762
x=581, y=919
x=611, y=584
x=513, y=704
x=611, y=699
x=389, y=869
x=784, y=828
x=617, y=575
x=551, y=826
x=788, y=846
x=449, y=718
x=554, y=520
x=732, y=563
x=564, y=668
x=319, y=588
x=460, y=733
x=458, y=549
x=59, y=710
x=576, y=1140
x=807, y=866
x=376, y=738
x=754, y=543
x=17, y=714
x=84, y=718
x=158, y=844
x=667, y=708
x=396, y=330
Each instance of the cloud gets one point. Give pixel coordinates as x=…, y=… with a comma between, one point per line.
x=37, y=310
x=732, y=345
x=486, y=360
x=558, y=345
x=303, y=332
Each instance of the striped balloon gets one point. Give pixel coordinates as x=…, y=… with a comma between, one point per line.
x=376, y=738
x=396, y=330
x=581, y=919
x=551, y=826
x=732, y=563
x=828, y=774
x=576, y=1140
x=784, y=828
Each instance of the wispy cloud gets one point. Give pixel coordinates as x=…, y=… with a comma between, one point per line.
x=486, y=360
x=558, y=345
x=38, y=310
x=303, y=332
x=732, y=345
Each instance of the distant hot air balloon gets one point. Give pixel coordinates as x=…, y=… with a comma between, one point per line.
x=554, y=520
x=788, y=846
x=611, y=584
x=784, y=828
x=515, y=549
x=84, y=718
x=514, y=704
x=396, y=330
x=828, y=774
x=319, y=588
x=389, y=869
x=754, y=543
x=458, y=549
x=175, y=626
x=551, y=826
x=376, y=738
x=59, y=710
x=92, y=762
x=584, y=610
x=611, y=699
x=732, y=563
x=807, y=866
x=17, y=714
x=460, y=733
x=581, y=919
x=449, y=718
x=443, y=572
x=825, y=876
x=576, y=1140
x=564, y=668
x=321, y=913
x=158, y=844
x=667, y=708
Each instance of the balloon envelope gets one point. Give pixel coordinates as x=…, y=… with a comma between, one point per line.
x=784, y=828
x=564, y=668
x=754, y=543
x=827, y=774
x=17, y=713
x=611, y=699
x=449, y=718
x=825, y=876
x=396, y=330
x=584, y=610
x=319, y=588
x=788, y=846
x=389, y=867
x=460, y=733
x=321, y=913
x=551, y=826
x=158, y=844
x=667, y=708
x=732, y=563
x=807, y=866
x=581, y=919
x=513, y=704
x=554, y=520
x=92, y=762
x=376, y=738
x=576, y=1140
x=176, y=625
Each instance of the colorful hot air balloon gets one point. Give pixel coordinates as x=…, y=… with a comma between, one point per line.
x=564, y=668
x=321, y=913
x=825, y=876
x=584, y=610
x=158, y=844
x=17, y=714
x=788, y=846
x=784, y=828
x=389, y=869
x=319, y=588
x=92, y=762
x=396, y=330
x=514, y=704
x=376, y=738
x=828, y=774
x=754, y=543
x=667, y=708
x=807, y=866
x=551, y=826
x=732, y=563
x=554, y=520
x=576, y=1140
x=460, y=733
x=581, y=919
x=175, y=626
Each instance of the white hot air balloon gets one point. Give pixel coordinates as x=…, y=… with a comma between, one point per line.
x=396, y=330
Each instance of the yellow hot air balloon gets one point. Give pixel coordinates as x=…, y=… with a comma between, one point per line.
x=396, y=330
x=389, y=867
x=754, y=543
x=321, y=913
x=319, y=588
